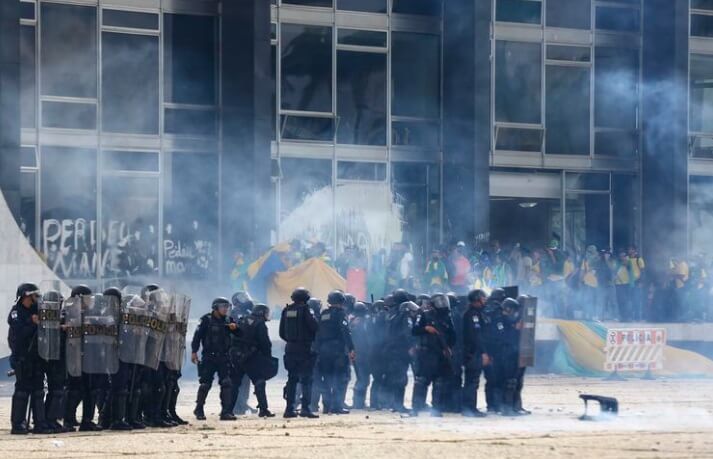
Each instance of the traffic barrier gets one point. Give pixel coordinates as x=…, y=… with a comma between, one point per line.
x=634, y=349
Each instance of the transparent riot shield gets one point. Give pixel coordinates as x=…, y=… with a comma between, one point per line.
x=175, y=344
x=133, y=330
x=48, y=331
x=158, y=308
x=72, y=311
x=527, y=332
x=100, y=330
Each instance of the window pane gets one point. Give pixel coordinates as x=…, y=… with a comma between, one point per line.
x=573, y=14
x=69, y=115
x=273, y=90
x=514, y=139
x=567, y=110
x=701, y=25
x=190, y=59
x=324, y=3
x=27, y=10
x=28, y=157
x=132, y=19
x=361, y=98
x=68, y=212
x=28, y=81
x=354, y=170
x=306, y=67
x=300, y=179
x=130, y=83
x=616, y=76
x=144, y=161
x=307, y=128
x=525, y=11
x=618, y=19
x=191, y=216
x=702, y=4
x=621, y=144
x=568, y=53
x=130, y=226
x=517, y=82
x=423, y=134
x=190, y=122
x=69, y=50
x=701, y=99
x=28, y=205
x=415, y=82
x=422, y=7
x=361, y=37
x=371, y=6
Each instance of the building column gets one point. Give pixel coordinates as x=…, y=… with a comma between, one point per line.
x=10, y=104
x=246, y=128
x=665, y=131
x=466, y=119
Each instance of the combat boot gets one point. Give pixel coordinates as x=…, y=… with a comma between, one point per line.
x=200, y=401
x=119, y=413
x=172, y=402
x=18, y=413
x=38, y=414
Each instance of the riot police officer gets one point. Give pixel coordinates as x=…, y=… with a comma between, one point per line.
x=437, y=337
x=335, y=349
x=508, y=365
x=492, y=342
x=473, y=352
x=213, y=334
x=25, y=361
x=51, y=351
x=251, y=355
x=119, y=387
x=377, y=365
x=242, y=306
x=359, y=326
x=521, y=370
x=315, y=304
x=397, y=353
x=298, y=328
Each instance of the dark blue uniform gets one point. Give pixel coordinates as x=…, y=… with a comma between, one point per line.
x=298, y=328
x=360, y=327
x=334, y=343
x=251, y=355
x=396, y=355
x=472, y=351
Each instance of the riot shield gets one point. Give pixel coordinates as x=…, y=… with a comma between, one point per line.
x=48, y=331
x=133, y=330
x=527, y=332
x=72, y=310
x=174, y=349
x=158, y=307
x=100, y=330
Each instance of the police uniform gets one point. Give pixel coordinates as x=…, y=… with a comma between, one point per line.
x=298, y=328
x=214, y=336
x=396, y=356
x=359, y=326
x=334, y=343
x=473, y=350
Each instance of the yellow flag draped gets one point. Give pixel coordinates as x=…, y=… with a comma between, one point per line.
x=314, y=274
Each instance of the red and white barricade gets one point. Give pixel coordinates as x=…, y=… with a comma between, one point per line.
x=634, y=349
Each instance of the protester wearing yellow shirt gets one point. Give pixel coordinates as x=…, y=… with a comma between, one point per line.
x=636, y=278
x=623, y=286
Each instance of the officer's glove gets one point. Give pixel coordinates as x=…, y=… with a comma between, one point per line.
x=352, y=356
x=486, y=360
x=430, y=329
x=194, y=358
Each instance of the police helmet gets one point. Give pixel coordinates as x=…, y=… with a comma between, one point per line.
x=510, y=307
x=113, y=291
x=261, y=310
x=26, y=289
x=360, y=307
x=400, y=296
x=147, y=289
x=241, y=299
x=378, y=305
x=440, y=302
x=81, y=290
x=475, y=295
x=389, y=301
x=498, y=294
x=314, y=304
x=409, y=306
x=336, y=297
x=300, y=295
x=52, y=296
x=220, y=302
x=453, y=299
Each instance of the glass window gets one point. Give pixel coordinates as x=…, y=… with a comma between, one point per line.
x=361, y=37
x=567, y=110
x=27, y=10
x=130, y=226
x=518, y=82
x=68, y=34
x=69, y=115
x=518, y=139
x=618, y=19
x=572, y=14
x=361, y=98
x=369, y=6
x=28, y=157
x=189, y=59
x=415, y=82
x=702, y=4
x=190, y=122
x=302, y=178
x=421, y=7
x=28, y=80
x=307, y=128
x=424, y=134
x=130, y=83
x=273, y=90
x=68, y=211
x=620, y=144
x=323, y=3
x=28, y=205
x=616, y=77
x=130, y=19
x=701, y=93
x=190, y=245
x=144, y=161
x=306, y=67
x=568, y=53
x=525, y=11
x=354, y=170
x=701, y=25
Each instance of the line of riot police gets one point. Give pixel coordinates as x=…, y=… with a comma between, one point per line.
x=117, y=354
